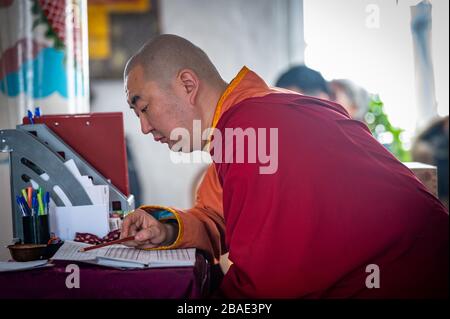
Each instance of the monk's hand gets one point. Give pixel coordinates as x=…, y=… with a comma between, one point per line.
x=148, y=232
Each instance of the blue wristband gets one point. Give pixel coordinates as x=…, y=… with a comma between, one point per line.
x=163, y=214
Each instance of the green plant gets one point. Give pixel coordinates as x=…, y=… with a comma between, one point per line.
x=382, y=129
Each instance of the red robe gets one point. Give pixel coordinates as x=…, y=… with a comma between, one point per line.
x=338, y=202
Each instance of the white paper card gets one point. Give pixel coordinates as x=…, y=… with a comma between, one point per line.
x=93, y=219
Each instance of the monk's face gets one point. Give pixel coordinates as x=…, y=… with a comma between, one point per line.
x=160, y=108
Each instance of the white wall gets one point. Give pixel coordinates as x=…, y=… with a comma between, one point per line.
x=265, y=35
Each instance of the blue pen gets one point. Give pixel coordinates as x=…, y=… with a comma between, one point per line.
x=19, y=203
x=33, y=204
x=25, y=205
x=47, y=202
x=30, y=116
x=37, y=112
x=36, y=203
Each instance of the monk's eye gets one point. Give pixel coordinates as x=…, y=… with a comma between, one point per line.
x=144, y=109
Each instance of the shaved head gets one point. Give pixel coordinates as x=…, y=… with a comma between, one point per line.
x=164, y=56
x=170, y=84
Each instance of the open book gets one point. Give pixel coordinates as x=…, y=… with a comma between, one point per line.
x=119, y=256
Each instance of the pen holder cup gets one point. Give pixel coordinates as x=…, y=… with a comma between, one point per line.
x=35, y=229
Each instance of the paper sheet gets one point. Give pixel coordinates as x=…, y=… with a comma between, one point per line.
x=16, y=266
x=99, y=194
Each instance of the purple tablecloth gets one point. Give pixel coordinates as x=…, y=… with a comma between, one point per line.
x=101, y=282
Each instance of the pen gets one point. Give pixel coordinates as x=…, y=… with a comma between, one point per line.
x=34, y=204
x=19, y=203
x=118, y=241
x=24, y=193
x=47, y=202
x=30, y=116
x=30, y=195
x=37, y=112
x=40, y=202
x=25, y=205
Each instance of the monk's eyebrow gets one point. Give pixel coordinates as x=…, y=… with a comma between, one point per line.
x=134, y=99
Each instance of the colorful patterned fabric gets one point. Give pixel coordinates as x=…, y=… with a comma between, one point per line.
x=95, y=240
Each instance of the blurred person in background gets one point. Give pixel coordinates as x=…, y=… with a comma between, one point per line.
x=304, y=80
x=307, y=81
x=353, y=98
x=431, y=147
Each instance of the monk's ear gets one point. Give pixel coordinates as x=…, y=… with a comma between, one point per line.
x=190, y=83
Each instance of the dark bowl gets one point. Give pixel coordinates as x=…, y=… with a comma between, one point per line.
x=27, y=252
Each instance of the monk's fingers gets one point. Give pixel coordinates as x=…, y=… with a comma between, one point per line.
x=131, y=232
x=130, y=243
x=151, y=235
x=126, y=225
x=136, y=219
x=144, y=237
x=149, y=221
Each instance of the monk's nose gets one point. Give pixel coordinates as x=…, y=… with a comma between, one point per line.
x=145, y=125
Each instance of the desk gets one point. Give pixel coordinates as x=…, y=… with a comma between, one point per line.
x=101, y=282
